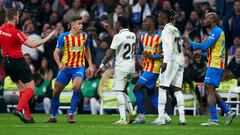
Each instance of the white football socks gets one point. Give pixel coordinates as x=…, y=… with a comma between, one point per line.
x=162, y=100
x=180, y=103
x=121, y=105
x=129, y=105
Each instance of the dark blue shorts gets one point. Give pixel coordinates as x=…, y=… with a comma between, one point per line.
x=213, y=76
x=66, y=75
x=148, y=80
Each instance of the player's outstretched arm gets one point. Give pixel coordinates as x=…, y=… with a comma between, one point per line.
x=208, y=43
x=107, y=27
x=33, y=44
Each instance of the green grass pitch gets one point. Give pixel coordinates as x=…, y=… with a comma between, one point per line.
x=102, y=125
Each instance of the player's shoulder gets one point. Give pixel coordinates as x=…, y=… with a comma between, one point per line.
x=84, y=33
x=130, y=33
x=3, y=26
x=159, y=33
x=168, y=26
x=118, y=35
x=64, y=34
x=217, y=30
x=143, y=33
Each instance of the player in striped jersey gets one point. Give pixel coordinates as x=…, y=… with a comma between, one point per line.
x=215, y=47
x=150, y=48
x=74, y=47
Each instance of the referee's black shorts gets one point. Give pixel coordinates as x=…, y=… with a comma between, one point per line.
x=17, y=69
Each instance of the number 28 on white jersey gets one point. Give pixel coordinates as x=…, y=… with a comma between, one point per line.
x=123, y=43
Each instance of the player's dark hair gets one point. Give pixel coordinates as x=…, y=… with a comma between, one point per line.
x=75, y=18
x=154, y=19
x=173, y=15
x=164, y=13
x=170, y=14
x=123, y=21
x=11, y=13
x=236, y=1
x=119, y=4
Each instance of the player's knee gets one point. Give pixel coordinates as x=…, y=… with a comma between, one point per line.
x=120, y=98
x=211, y=100
x=210, y=87
x=56, y=92
x=137, y=87
x=210, y=91
x=76, y=89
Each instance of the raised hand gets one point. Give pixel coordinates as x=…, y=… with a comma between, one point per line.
x=185, y=39
x=160, y=54
x=106, y=26
x=50, y=35
x=146, y=55
x=91, y=70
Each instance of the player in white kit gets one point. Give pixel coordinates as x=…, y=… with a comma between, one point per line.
x=123, y=48
x=171, y=76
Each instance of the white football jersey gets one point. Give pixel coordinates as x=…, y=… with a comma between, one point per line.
x=123, y=43
x=172, y=44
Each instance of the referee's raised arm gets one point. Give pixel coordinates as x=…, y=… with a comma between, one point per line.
x=37, y=43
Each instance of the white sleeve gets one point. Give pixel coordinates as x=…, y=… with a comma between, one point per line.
x=116, y=42
x=167, y=45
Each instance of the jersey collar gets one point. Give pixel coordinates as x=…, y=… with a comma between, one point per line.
x=169, y=24
x=123, y=30
x=10, y=24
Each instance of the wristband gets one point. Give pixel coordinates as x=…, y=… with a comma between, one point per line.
x=102, y=66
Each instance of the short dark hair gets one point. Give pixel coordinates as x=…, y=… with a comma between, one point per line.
x=169, y=14
x=164, y=13
x=154, y=19
x=123, y=21
x=236, y=1
x=11, y=13
x=75, y=18
x=119, y=4
x=173, y=14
